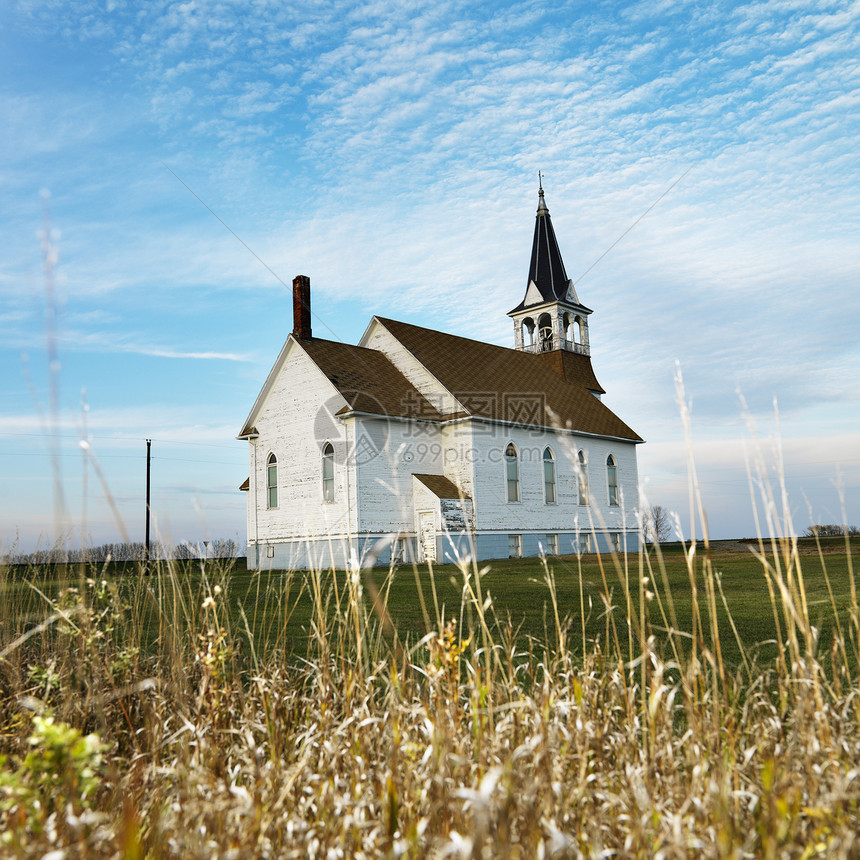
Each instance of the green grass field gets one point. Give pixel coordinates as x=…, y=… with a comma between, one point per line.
x=277, y=607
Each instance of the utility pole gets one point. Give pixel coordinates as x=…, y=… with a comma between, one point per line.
x=146, y=540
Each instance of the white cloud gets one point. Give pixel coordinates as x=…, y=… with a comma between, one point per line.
x=170, y=353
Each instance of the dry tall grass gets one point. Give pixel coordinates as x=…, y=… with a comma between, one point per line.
x=469, y=743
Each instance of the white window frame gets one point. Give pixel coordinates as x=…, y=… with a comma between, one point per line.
x=552, y=543
x=582, y=478
x=515, y=545
x=515, y=463
x=554, y=483
x=612, y=470
x=271, y=486
x=328, y=480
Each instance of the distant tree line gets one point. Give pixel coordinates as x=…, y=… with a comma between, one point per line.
x=220, y=548
x=831, y=530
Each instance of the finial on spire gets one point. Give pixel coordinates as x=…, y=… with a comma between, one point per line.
x=542, y=210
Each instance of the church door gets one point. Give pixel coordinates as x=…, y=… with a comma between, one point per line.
x=427, y=527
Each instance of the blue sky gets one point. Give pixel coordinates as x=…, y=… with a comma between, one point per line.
x=390, y=152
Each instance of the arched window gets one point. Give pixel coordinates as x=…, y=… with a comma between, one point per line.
x=272, y=481
x=529, y=326
x=612, y=479
x=548, y=477
x=545, y=332
x=568, y=326
x=582, y=478
x=512, y=473
x=328, y=472
x=578, y=326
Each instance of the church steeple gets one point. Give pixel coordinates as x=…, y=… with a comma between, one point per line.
x=550, y=316
x=546, y=269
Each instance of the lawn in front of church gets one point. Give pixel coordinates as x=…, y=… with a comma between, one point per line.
x=590, y=587
x=275, y=609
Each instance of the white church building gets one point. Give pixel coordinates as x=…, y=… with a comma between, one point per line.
x=417, y=444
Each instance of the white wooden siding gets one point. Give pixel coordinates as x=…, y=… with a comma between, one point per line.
x=531, y=513
x=289, y=424
x=458, y=453
x=385, y=481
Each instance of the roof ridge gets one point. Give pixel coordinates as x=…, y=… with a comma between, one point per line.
x=465, y=371
x=448, y=334
x=315, y=340
x=375, y=385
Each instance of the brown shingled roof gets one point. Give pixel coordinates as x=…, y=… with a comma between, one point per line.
x=367, y=380
x=440, y=486
x=506, y=384
x=573, y=368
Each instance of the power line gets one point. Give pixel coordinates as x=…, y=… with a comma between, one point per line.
x=253, y=253
x=634, y=224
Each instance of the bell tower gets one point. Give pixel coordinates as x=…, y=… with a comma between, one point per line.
x=550, y=317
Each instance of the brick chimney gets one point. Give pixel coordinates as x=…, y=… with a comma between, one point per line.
x=302, y=307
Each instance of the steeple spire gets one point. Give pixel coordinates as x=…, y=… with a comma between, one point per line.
x=546, y=269
x=550, y=316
